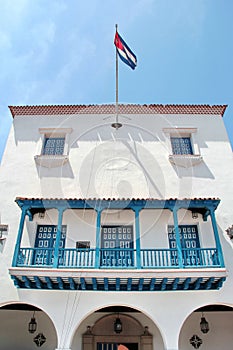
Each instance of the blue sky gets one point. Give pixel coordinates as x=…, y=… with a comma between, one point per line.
x=62, y=52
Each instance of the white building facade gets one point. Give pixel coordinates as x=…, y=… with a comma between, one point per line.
x=116, y=236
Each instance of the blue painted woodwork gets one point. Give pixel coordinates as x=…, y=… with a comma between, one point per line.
x=118, y=284
x=198, y=283
x=209, y=283
x=38, y=282
x=219, y=283
x=200, y=205
x=150, y=258
x=129, y=283
x=19, y=236
x=126, y=284
x=94, y=282
x=181, y=145
x=152, y=284
x=26, y=281
x=177, y=235
x=49, y=282
x=45, y=242
x=189, y=240
x=78, y=257
x=53, y=146
x=163, y=284
x=83, y=283
x=72, y=283
x=98, y=230
x=187, y=283
x=156, y=257
x=60, y=283
x=216, y=236
x=138, y=240
x=175, y=283
x=17, y=282
x=140, y=284
x=58, y=240
x=137, y=258
x=117, y=246
x=105, y=284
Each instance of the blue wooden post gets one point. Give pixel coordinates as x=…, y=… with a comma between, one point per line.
x=178, y=243
x=216, y=236
x=98, y=233
x=137, y=236
x=19, y=237
x=58, y=237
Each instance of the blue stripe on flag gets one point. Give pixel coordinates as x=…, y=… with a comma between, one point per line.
x=125, y=53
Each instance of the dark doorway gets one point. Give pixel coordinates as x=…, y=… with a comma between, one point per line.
x=117, y=346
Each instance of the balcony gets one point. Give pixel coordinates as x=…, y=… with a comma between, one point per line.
x=131, y=269
x=158, y=270
x=118, y=258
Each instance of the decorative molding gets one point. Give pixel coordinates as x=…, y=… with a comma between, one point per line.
x=179, y=130
x=195, y=341
x=185, y=161
x=51, y=161
x=39, y=340
x=55, y=130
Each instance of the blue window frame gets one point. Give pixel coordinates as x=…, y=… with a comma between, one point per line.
x=181, y=145
x=54, y=145
x=117, y=246
x=45, y=243
x=190, y=244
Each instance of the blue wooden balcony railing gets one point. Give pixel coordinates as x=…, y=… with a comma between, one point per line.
x=118, y=258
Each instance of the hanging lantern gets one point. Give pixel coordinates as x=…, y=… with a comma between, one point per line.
x=194, y=214
x=32, y=325
x=204, y=325
x=117, y=326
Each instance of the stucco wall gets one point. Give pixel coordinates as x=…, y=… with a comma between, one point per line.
x=130, y=162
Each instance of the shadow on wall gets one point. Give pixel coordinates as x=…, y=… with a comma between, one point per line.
x=63, y=171
x=199, y=171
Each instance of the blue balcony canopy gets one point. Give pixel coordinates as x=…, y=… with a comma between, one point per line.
x=199, y=205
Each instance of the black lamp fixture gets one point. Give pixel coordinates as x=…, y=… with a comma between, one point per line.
x=204, y=325
x=194, y=214
x=117, y=325
x=116, y=125
x=32, y=325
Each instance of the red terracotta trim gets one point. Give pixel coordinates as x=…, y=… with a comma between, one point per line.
x=122, y=109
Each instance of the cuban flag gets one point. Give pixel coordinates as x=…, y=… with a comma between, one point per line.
x=126, y=55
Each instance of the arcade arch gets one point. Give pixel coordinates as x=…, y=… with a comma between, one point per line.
x=219, y=336
x=96, y=332
x=14, y=334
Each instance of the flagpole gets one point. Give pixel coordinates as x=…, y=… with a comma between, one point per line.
x=116, y=125
x=116, y=83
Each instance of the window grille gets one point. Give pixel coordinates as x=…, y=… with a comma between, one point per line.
x=181, y=145
x=54, y=146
